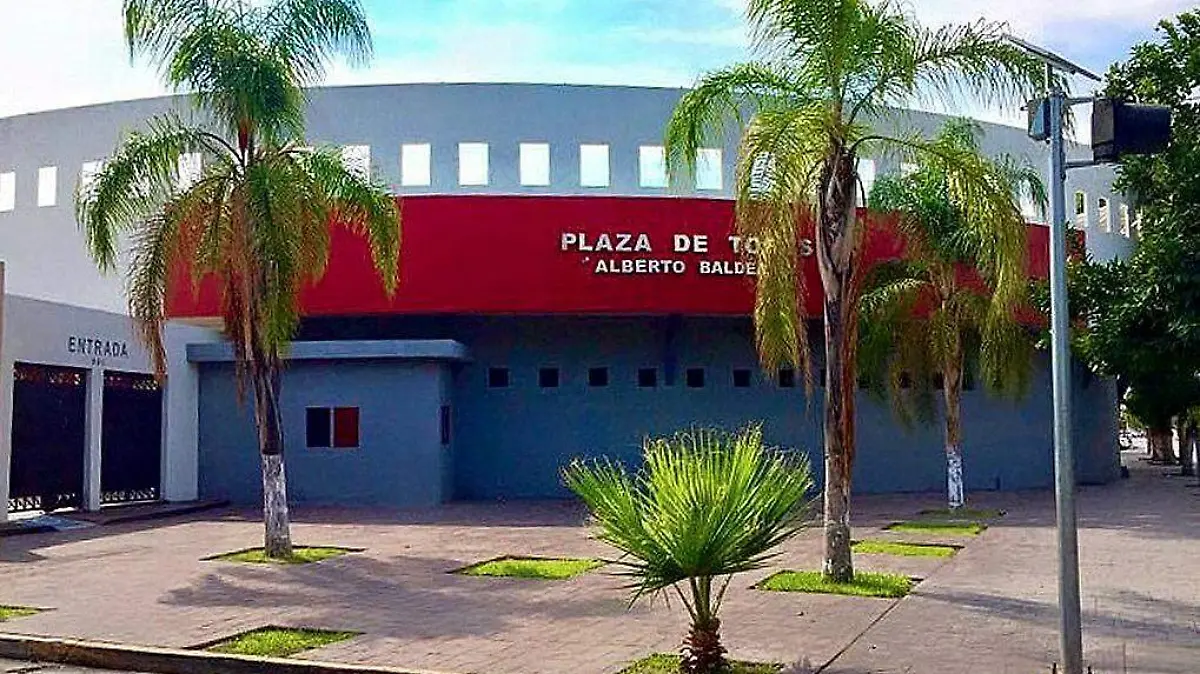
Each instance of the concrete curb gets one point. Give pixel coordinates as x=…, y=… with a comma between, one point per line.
x=102, y=655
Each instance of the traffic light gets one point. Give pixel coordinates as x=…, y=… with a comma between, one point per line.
x=1120, y=128
x=1039, y=119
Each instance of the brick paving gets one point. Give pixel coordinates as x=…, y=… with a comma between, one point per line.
x=990, y=609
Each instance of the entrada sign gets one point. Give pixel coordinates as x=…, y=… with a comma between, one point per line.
x=99, y=348
x=741, y=248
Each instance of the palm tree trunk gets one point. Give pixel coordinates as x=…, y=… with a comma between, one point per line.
x=702, y=652
x=837, y=243
x=277, y=542
x=952, y=384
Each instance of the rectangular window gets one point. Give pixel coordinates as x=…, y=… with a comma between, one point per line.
x=866, y=179
x=694, y=377
x=548, y=377
x=647, y=377
x=88, y=173
x=318, y=427
x=498, y=377
x=8, y=191
x=47, y=194
x=444, y=425
x=598, y=377
x=1103, y=217
x=787, y=378
x=762, y=174
x=1123, y=209
x=415, y=165
x=741, y=378
x=652, y=166
x=188, y=170
x=345, y=427
x=593, y=166
x=535, y=164
x=708, y=169
x=1081, y=214
x=357, y=160
x=472, y=164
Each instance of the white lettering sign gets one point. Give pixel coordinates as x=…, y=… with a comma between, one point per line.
x=742, y=249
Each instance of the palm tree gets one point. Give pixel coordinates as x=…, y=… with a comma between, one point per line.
x=705, y=506
x=257, y=218
x=926, y=316
x=806, y=111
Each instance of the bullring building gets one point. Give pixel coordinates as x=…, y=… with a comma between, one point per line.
x=557, y=299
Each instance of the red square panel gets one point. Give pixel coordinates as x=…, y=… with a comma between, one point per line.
x=345, y=427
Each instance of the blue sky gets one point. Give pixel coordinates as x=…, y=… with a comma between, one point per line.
x=68, y=52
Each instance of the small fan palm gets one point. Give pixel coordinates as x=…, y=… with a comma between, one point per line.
x=705, y=506
x=828, y=72
x=925, y=317
x=257, y=216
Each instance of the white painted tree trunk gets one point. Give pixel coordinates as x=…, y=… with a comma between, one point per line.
x=954, y=477
x=278, y=539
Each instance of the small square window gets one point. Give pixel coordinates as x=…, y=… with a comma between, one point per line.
x=593, y=166
x=1103, y=216
x=189, y=169
x=548, y=377
x=708, y=169
x=47, y=194
x=866, y=178
x=415, y=165
x=357, y=159
x=694, y=377
x=652, y=166
x=498, y=377
x=598, y=377
x=535, y=164
x=741, y=378
x=345, y=427
x=473, y=164
x=647, y=377
x=8, y=191
x=787, y=378
x=87, y=174
x=318, y=427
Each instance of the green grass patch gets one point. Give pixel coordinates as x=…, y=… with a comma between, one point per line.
x=10, y=612
x=945, y=527
x=865, y=584
x=278, y=642
x=669, y=664
x=903, y=549
x=963, y=514
x=300, y=555
x=531, y=567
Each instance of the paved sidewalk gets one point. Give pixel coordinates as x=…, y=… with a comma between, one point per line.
x=18, y=667
x=991, y=609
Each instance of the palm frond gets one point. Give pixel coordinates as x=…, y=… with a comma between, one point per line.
x=133, y=185
x=305, y=33
x=705, y=504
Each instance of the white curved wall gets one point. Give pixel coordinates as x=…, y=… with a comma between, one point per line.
x=44, y=251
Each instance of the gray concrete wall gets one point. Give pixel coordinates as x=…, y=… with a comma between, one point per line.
x=512, y=442
x=399, y=461
x=45, y=251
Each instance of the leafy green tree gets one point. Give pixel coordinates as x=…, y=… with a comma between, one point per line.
x=806, y=110
x=706, y=505
x=925, y=316
x=1140, y=320
x=257, y=217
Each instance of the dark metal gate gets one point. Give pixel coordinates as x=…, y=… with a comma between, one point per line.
x=131, y=453
x=48, y=437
